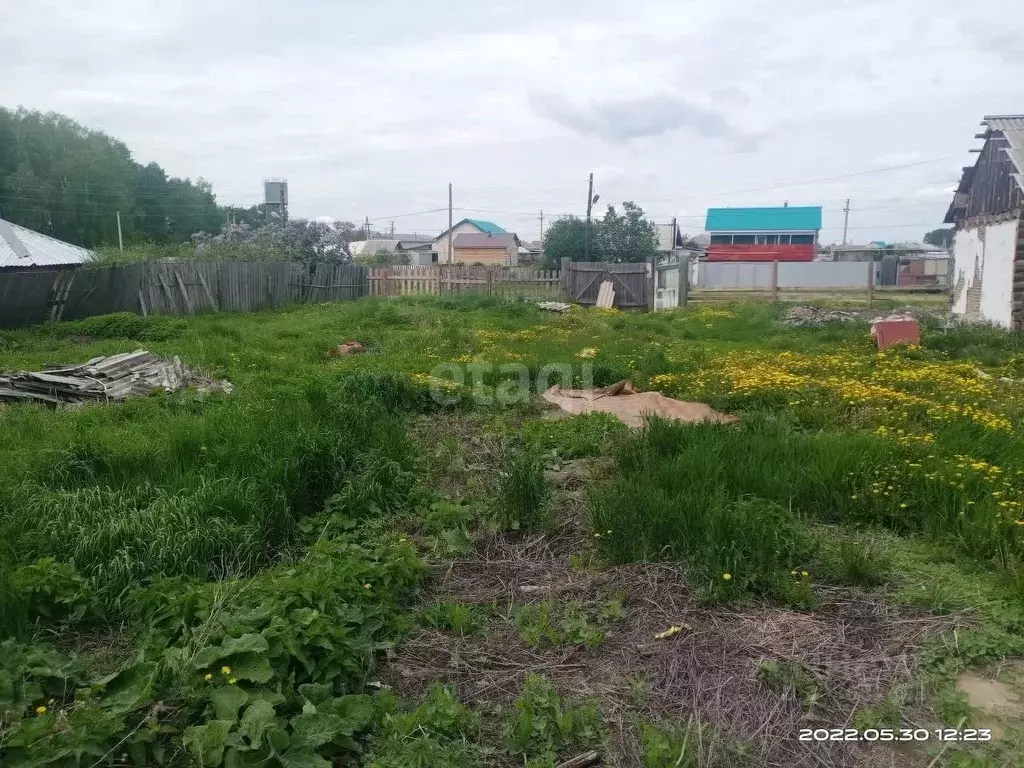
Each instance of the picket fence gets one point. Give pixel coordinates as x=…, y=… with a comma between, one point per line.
x=508, y=282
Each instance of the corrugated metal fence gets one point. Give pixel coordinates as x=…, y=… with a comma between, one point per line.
x=171, y=288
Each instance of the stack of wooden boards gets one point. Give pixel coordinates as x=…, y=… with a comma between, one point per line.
x=132, y=374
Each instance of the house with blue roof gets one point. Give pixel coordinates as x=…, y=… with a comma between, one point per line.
x=464, y=227
x=785, y=233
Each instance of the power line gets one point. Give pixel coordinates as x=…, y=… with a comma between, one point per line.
x=405, y=215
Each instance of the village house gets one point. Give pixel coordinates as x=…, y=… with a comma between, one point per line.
x=501, y=250
x=464, y=227
x=763, y=234
x=988, y=248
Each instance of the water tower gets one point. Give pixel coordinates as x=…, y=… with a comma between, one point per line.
x=275, y=198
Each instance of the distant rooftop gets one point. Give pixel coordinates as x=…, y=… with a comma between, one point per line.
x=780, y=219
x=487, y=227
x=22, y=247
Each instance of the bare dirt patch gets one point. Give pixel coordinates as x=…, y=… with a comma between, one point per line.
x=856, y=647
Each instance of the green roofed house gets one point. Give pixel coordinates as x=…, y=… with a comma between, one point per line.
x=786, y=233
x=464, y=227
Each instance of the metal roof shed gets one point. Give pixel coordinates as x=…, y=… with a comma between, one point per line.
x=22, y=248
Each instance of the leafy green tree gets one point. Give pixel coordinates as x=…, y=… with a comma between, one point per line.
x=940, y=238
x=618, y=237
x=627, y=236
x=565, y=239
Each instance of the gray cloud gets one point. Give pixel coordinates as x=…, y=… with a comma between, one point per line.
x=371, y=109
x=633, y=118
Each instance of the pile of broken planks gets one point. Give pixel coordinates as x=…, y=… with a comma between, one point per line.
x=132, y=374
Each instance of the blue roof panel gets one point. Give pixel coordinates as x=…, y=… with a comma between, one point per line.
x=784, y=219
x=487, y=226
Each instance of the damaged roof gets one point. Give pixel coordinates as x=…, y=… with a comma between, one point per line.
x=1003, y=135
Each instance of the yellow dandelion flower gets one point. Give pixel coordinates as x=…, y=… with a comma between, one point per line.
x=207, y=677
x=232, y=681
x=726, y=576
x=225, y=670
x=805, y=574
x=40, y=710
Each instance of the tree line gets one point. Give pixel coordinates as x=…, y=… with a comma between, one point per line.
x=68, y=181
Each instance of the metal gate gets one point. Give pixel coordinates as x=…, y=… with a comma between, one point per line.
x=631, y=282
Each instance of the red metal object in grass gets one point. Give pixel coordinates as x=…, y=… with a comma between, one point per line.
x=889, y=332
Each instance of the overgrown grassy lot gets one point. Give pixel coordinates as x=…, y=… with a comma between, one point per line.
x=333, y=566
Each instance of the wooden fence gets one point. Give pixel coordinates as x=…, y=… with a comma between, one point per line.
x=632, y=282
x=509, y=282
x=171, y=288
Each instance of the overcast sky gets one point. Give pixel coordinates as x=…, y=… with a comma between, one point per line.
x=371, y=108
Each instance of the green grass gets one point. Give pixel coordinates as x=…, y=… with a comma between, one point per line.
x=524, y=497
x=197, y=522
x=543, y=728
x=550, y=623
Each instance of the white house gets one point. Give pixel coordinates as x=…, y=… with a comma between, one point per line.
x=987, y=209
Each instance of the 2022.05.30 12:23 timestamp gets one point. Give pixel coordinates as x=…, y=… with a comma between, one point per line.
x=895, y=734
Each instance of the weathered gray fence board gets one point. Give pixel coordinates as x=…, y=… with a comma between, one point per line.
x=100, y=291
x=336, y=283
x=629, y=281
x=25, y=297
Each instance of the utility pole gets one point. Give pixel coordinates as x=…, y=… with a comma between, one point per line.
x=846, y=219
x=392, y=234
x=120, y=240
x=367, y=227
x=451, y=253
x=541, y=235
x=590, y=205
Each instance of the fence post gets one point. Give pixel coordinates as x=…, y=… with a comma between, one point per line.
x=684, y=280
x=775, y=281
x=871, y=284
x=652, y=283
